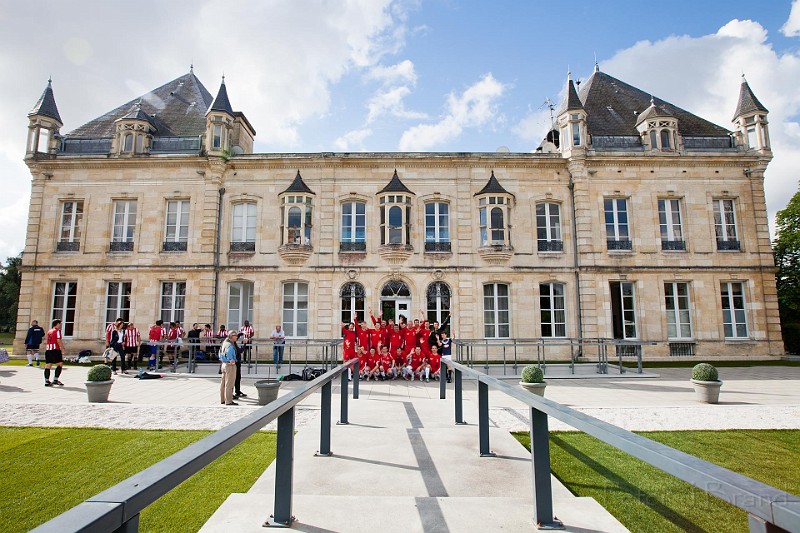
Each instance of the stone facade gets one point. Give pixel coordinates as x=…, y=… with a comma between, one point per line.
x=606, y=292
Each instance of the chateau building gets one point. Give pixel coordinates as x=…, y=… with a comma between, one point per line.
x=634, y=219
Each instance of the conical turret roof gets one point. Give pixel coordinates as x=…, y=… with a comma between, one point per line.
x=748, y=103
x=572, y=102
x=395, y=185
x=298, y=185
x=492, y=187
x=221, y=102
x=46, y=105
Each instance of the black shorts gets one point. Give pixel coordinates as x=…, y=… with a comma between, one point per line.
x=33, y=347
x=53, y=356
x=131, y=349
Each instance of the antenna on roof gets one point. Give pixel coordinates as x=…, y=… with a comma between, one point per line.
x=548, y=103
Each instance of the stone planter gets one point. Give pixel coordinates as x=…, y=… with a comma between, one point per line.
x=706, y=391
x=267, y=390
x=98, y=390
x=536, y=388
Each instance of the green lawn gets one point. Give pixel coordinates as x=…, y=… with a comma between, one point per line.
x=45, y=471
x=644, y=498
x=7, y=341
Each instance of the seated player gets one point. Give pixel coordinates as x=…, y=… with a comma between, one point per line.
x=372, y=367
x=435, y=363
x=420, y=364
x=363, y=357
x=348, y=353
x=408, y=367
x=387, y=367
x=399, y=360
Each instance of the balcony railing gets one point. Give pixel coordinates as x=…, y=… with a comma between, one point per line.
x=120, y=246
x=437, y=247
x=243, y=247
x=622, y=244
x=673, y=245
x=352, y=247
x=729, y=245
x=174, y=246
x=68, y=246
x=551, y=246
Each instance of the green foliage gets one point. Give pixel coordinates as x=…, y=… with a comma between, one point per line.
x=787, y=259
x=99, y=373
x=33, y=494
x=704, y=372
x=532, y=374
x=10, y=280
x=644, y=498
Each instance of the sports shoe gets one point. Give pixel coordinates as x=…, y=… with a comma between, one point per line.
x=48, y=383
x=427, y=380
x=56, y=382
x=232, y=403
x=29, y=364
x=242, y=395
x=37, y=363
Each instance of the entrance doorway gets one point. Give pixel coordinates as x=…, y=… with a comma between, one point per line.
x=623, y=310
x=396, y=301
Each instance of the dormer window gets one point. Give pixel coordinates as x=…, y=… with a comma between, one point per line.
x=493, y=215
x=127, y=143
x=296, y=216
x=395, y=217
x=217, y=142
x=576, y=129
x=665, y=144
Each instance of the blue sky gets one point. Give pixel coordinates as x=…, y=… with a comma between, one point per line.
x=389, y=75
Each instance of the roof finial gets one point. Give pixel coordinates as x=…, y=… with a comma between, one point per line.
x=596, y=66
x=191, y=67
x=744, y=80
x=223, y=77
x=652, y=100
x=139, y=103
x=49, y=80
x=569, y=72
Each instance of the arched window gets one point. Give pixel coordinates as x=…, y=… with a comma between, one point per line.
x=395, y=225
x=296, y=214
x=498, y=227
x=438, y=296
x=127, y=143
x=653, y=140
x=395, y=288
x=139, y=144
x=352, y=296
x=395, y=216
x=295, y=220
x=665, y=143
x=493, y=213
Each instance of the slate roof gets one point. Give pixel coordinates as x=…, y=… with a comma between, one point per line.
x=613, y=108
x=492, y=187
x=221, y=102
x=747, y=101
x=298, y=185
x=46, y=105
x=395, y=185
x=571, y=102
x=136, y=113
x=652, y=111
x=177, y=109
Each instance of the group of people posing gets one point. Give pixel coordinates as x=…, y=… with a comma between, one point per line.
x=392, y=350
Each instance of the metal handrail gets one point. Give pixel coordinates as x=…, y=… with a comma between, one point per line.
x=766, y=506
x=118, y=508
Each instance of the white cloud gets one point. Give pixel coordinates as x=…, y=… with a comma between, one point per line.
x=533, y=127
x=352, y=140
x=792, y=26
x=391, y=102
x=475, y=107
x=402, y=72
x=715, y=63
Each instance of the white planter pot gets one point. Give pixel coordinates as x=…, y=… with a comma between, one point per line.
x=267, y=390
x=706, y=391
x=536, y=388
x=98, y=390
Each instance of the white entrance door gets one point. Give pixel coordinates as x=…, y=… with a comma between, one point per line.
x=402, y=306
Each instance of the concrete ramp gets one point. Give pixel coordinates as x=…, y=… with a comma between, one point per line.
x=403, y=465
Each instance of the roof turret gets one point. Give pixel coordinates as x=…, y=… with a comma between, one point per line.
x=46, y=105
x=221, y=102
x=572, y=102
x=395, y=185
x=298, y=185
x=748, y=103
x=492, y=187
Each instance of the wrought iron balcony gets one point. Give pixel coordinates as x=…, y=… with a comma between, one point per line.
x=673, y=245
x=440, y=247
x=243, y=247
x=623, y=244
x=174, y=246
x=551, y=246
x=352, y=247
x=728, y=245
x=68, y=246
x=120, y=246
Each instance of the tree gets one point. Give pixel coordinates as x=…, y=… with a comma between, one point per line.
x=787, y=259
x=10, y=280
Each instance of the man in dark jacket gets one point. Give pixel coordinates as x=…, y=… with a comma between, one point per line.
x=32, y=342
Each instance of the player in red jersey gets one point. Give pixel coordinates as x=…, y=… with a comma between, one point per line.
x=372, y=365
x=363, y=359
x=409, y=339
x=396, y=340
x=387, y=367
x=418, y=363
x=54, y=354
x=435, y=363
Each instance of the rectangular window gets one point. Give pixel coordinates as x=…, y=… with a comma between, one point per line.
x=492, y=223
x=173, y=301
x=669, y=220
x=244, y=222
x=576, y=134
x=65, y=294
x=437, y=222
x=553, y=310
x=43, y=144
x=679, y=319
x=616, y=217
x=118, y=301
x=295, y=309
x=623, y=309
x=354, y=226
x=240, y=304
x=71, y=221
x=496, y=312
x=733, y=310
x=177, y=223
x=124, y=221
x=725, y=225
x=752, y=140
x=217, y=143
x=548, y=227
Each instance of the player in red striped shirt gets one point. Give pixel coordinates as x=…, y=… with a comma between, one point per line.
x=53, y=354
x=130, y=341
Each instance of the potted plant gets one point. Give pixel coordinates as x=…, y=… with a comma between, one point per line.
x=98, y=383
x=267, y=390
x=705, y=380
x=533, y=379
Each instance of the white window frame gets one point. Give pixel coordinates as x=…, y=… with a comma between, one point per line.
x=68, y=307
x=127, y=143
x=118, y=301
x=240, y=304
x=679, y=317
x=722, y=226
x=124, y=226
x=172, y=301
x=555, y=304
x=552, y=222
x=441, y=222
x=177, y=230
x=298, y=306
x=628, y=311
x=353, y=216
x=488, y=231
x=439, y=300
x=297, y=235
x=390, y=232
x=668, y=208
x=218, y=136
x=737, y=316
x=73, y=227
x=616, y=225
x=352, y=301
x=245, y=220
x=493, y=325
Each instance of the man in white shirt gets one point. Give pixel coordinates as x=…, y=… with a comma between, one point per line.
x=278, y=339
